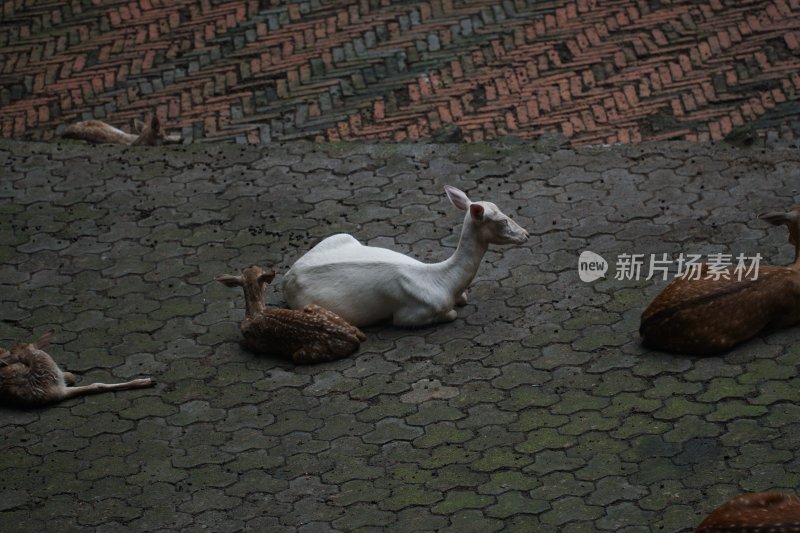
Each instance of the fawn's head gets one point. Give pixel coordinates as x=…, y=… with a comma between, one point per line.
x=33, y=347
x=791, y=220
x=253, y=274
x=253, y=279
x=152, y=134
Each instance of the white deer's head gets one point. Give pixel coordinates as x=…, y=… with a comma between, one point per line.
x=491, y=225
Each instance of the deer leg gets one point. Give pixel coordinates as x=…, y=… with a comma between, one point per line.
x=461, y=300
x=448, y=316
x=69, y=378
x=72, y=392
x=311, y=354
x=416, y=316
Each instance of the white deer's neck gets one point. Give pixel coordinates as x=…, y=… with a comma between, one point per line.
x=457, y=272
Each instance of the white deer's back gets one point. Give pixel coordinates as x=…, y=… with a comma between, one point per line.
x=360, y=283
x=344, y=248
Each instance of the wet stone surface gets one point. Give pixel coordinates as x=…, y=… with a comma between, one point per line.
x=536, y=410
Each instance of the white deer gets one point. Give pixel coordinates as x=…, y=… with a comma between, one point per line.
x=366, y=284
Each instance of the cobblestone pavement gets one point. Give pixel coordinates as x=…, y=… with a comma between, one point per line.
x=598, y=71
x=536, y=410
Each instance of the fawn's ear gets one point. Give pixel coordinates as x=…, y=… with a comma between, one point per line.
x=476, y=211
x=45, y=339
x=138, y=125
x=266, y=277
x=776, y=219
x=155, y=124
x=791, y=220
x=229, y=281
x=457, y=197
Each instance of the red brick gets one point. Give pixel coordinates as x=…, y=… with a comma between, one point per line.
x=522, y=114
x=620, y=101
x=528, y=87
x=531, y=68
x=501, y=87
x=599, y=113
x=544, y=102
x=497, y=48
x=699, y=96
x=791, y=40
x=425, y=89
x=554, y=96
x=532, y=106
x=688, y=102
x=511, y=121
x=630, y=95
x=511, y=81
x=378, y=109
x=725, y=125
x=675, y=70
x=491, y=93
x=715, y=130
x=456, y=110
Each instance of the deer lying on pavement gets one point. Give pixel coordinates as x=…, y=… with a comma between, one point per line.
x=366, y=284
x=310, y=335
x=708, y=316
x=774, y=512
x=96, y=131
x=29, y=377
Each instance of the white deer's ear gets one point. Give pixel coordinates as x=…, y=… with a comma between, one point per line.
x=476, y=211
x=138, y=125
x=457, y=197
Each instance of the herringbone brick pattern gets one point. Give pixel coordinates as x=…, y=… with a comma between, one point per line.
x=598, y=71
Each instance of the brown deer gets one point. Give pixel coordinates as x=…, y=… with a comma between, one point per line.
x=96, y=131
x=29, y=377
x=761, y=512
x=309, y=335
x=710, y=316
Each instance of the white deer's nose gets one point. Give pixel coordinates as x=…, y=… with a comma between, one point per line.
x=520, y=234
